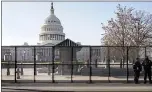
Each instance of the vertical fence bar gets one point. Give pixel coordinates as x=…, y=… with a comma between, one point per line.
x=34, y=64
x=90, y=65
x=53, y=64
x=108, y=65
x=127, y=65
x=15, y=64
x=49, y=65
x=71, y=64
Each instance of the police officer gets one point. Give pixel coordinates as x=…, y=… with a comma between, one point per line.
x=147, y=69
x=137, y=69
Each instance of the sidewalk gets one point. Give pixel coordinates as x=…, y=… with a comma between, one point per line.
x=74, y=87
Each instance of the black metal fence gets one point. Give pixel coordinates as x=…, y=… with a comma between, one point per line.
x=71, y=63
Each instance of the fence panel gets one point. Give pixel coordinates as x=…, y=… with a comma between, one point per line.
x=99, y=64
x=25, y=64
x=43, y=59
x=71, y=63
x=8, y=63
x=118, y=64
x=81, y=67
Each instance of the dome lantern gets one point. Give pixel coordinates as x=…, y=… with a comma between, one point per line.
x=52, y=9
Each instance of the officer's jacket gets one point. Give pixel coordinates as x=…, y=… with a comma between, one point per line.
x=137, y=66
x=147, y=64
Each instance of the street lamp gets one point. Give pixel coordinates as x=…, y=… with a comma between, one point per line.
x=22, y=62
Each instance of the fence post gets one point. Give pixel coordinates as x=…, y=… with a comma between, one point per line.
x=108, y=64
x=127, y=65
x=34, y=65
x=71, y=64
x=53, y=64
x=90, y=64
x=15, y=64
x=49, y=65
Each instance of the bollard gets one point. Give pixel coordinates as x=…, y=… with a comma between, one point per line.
x=18, y=73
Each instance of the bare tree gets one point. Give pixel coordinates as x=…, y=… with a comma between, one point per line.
x=129, y=28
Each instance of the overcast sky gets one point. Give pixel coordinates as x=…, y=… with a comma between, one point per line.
x=21, y=21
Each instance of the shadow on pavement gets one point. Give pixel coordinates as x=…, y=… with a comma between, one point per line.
x=31, y=90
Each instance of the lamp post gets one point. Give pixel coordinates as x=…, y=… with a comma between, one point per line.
x=5, y=59
x=37, y=59
x=22, y=62
x=49, y=68
x=10, y=60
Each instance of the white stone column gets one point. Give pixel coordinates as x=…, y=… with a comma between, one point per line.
x=59, y=37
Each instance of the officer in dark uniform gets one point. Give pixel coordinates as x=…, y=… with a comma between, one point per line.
x=137, y=69
x=147, y=69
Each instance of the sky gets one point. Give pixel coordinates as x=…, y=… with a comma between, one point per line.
x=21, y=21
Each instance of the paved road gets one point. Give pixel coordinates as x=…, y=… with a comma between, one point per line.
x=74, y=87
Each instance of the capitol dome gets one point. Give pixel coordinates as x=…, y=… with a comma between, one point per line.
x=52, y=30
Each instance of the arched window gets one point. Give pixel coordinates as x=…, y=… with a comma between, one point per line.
x=48, y=37
x=54, y=36
x=44, y=37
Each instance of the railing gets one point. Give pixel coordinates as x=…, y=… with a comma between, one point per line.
x=71, y=63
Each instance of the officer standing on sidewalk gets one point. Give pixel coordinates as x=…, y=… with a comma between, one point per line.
x=137, y=69
x=147, y=69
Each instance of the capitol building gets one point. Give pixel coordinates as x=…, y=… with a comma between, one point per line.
x=52, y=30
x=51, y=34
